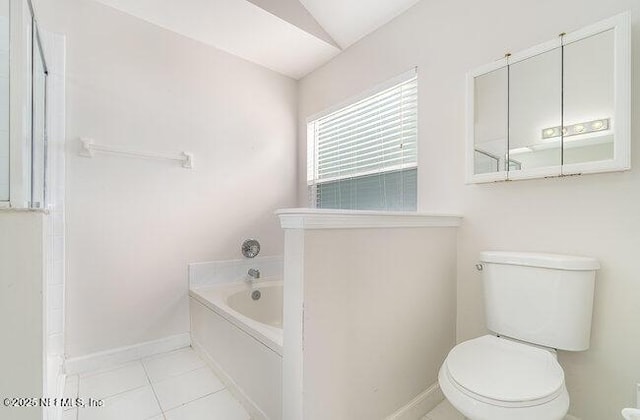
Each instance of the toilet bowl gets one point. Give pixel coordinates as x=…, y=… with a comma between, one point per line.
x=494, y=378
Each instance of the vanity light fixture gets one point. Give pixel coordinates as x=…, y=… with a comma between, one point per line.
x=575, y=129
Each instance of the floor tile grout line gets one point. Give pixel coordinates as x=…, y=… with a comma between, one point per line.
x=195, y=399
x=180, y=374
x=153, y=417
x=90, y=374
x=120, y=393
x=161, y=355
x=204, y=364
x=188, y=402
x=117, y=393
x=153, y=389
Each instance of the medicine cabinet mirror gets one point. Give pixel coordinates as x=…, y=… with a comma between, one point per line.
x=560, y=108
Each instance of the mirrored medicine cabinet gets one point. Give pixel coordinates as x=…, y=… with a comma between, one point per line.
x=559, y=108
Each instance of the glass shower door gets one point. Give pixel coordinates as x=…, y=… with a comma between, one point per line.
x=23, y=108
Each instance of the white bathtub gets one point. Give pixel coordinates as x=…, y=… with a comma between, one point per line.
x=242, y=339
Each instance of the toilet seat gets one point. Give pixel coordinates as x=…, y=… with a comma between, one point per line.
x=504, y=373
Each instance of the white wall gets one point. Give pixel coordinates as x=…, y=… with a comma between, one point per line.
x=21, y=309
x=595, y=215
x=379, y=318
x=133, y=225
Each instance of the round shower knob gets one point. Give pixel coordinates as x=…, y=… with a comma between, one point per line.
x=250, y=248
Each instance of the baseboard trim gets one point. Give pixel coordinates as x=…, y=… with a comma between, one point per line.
x=254, y=411
x=114, y=357
x=420, y=405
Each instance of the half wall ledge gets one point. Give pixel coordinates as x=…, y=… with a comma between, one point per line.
x=310, y=218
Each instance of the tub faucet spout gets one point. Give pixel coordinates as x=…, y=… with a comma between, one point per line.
x=253, y=274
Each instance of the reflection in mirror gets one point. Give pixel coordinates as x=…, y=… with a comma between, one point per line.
x=535, y=103
x=490, y=121
x=589, y=98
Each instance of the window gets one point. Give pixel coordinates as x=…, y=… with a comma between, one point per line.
x=364, y=155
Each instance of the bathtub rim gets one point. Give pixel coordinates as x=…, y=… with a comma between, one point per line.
x=214, y=298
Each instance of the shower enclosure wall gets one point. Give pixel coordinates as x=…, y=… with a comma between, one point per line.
x=32, y=272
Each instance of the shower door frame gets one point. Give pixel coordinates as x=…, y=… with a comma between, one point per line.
x=24, y=39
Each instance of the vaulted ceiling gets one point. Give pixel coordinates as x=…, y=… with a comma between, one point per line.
x=292, y=37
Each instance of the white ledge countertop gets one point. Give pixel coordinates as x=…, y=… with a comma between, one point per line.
x=22, y=210
x=309, y=218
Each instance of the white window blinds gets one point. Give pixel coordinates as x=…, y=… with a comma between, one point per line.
x=364, y=155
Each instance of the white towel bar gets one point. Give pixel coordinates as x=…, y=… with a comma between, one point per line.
x=88, y=148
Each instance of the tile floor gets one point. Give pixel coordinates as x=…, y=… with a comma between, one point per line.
x=171, y=386
x=443, y=411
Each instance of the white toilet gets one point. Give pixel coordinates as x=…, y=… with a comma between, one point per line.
x=535, y=304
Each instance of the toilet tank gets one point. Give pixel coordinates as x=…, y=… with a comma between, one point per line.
x=545, y=299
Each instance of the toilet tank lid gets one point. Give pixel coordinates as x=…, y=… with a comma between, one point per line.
x=537, y=259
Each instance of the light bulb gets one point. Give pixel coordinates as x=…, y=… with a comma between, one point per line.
x=579, y=128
